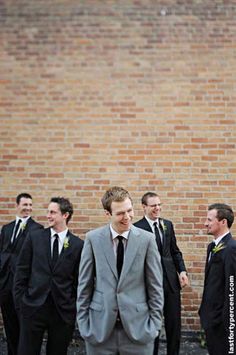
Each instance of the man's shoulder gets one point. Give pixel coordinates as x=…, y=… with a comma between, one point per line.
x=141, y=220
x=33, y=224
x=98, y=231
x=9, y=224
x=35, y=233
x=231, y=243
x=166, y=221
x=75, y=238
x=142, y=232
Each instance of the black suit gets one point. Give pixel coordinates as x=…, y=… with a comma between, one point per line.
x=8, y=257
x=218, y=308
x=172, y=263
x=46, y=295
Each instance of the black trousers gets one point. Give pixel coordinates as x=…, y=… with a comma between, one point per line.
x=44, y=319
x=172, y=321
x=11, y=324
x=217, y=340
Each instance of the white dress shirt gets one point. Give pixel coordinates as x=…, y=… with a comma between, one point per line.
x=61, y=239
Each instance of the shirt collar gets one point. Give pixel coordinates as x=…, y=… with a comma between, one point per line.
x=23, y=219
x=114, y=234
x=151, y=222
x=218, y=240
x=61, y=235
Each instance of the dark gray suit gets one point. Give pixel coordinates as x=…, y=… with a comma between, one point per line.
x=218, y=307
x=172, y=263
x=8, y=258
x=37, y=282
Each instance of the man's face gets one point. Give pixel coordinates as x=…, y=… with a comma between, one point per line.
x=56, y=219
x=24, y=208
x=213, y=225
x=121, y=215
x=153, y=208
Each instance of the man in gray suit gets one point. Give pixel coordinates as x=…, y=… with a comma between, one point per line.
x=120, y=292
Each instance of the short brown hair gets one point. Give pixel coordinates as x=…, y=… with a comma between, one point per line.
x=65, y=206
x=115, y=193
x=223, y=212
x=146, y=197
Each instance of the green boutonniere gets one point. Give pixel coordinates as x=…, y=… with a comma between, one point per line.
x=218, y=247
x=66, y=243
x=164, y=227
x=22, y=226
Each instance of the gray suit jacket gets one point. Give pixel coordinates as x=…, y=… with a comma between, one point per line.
x=138, y=294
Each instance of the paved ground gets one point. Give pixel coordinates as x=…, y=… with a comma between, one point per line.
x=188, y=347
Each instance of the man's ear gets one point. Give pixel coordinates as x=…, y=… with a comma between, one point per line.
x=224, y=221
x=107, y=213
x=66, y=215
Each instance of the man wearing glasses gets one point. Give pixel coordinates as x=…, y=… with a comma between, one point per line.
x=174, y=270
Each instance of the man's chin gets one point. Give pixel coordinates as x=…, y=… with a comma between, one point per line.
x=125, y=228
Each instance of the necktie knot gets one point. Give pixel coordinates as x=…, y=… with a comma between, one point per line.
x=120, y=238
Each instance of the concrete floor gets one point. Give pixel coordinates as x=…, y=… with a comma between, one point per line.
x=188, y=347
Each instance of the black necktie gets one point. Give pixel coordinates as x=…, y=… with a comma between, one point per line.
x=55, y=251
x=158, y=238
x=211, y=247
x=120, y=254
x=16, y=230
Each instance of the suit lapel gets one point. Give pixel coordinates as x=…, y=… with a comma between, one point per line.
x=47, y=246
x=9, y=232
x=164, y=233
x=107, y=248
x=64, y=250
x=224, y=241
x=130, y=253
x=146, y=225
x=22, y=232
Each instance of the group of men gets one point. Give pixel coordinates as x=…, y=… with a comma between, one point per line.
x=119, y=282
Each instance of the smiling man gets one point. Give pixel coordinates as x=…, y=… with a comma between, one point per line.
x=218, y=308
x=45, y=283
x=174, y=270
x=120, y=296
x=11, y=241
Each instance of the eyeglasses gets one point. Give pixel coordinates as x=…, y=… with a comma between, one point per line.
x=156, y=205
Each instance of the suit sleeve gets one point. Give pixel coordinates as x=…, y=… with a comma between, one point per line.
x=175, y=252
x=1, y=242
x=85, y=286
x=23, y=270
x=76, y=268
x=154, y=283
x=229, y=310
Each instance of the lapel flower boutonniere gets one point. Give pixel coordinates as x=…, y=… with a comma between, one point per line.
x=164, y=227
x=66, y=243
x=218, y=247
x=22, y=226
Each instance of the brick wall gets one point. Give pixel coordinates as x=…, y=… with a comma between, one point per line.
x=134, y=93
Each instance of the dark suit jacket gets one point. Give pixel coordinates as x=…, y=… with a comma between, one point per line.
x=35, y=278
x=172, y=259
x=219, y=292
x=9, y=253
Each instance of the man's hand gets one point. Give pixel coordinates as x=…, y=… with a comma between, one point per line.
x=183, y=279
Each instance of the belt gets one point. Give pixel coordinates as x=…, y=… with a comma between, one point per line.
x=118, y=323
